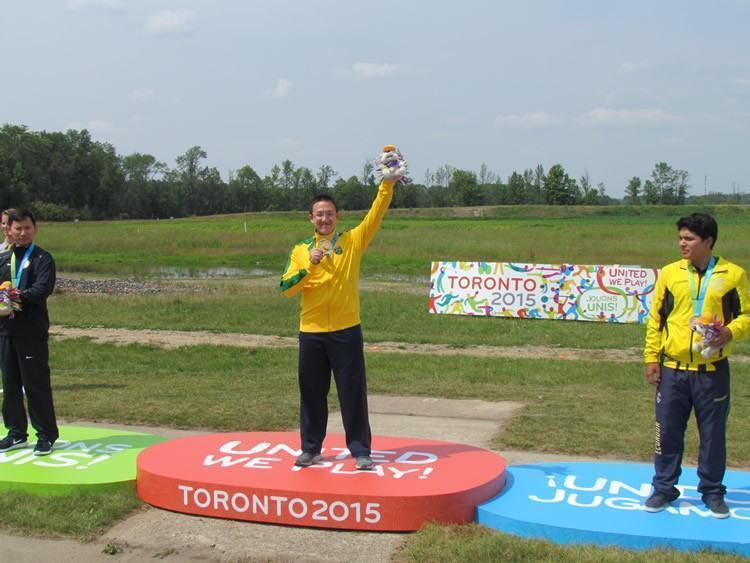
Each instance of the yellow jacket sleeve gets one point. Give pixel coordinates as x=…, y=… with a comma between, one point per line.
x=364, y=232
x=652, y=350
x=294, y=273
x=740, y=326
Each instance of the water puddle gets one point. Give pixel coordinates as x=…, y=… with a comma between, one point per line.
x=180, y=273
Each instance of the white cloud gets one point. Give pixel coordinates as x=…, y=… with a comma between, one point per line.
x=630, y=67
x=282, y=88
x=375, y=70
x=78, y=4
x=170, y=21
x=632, y=116
x=742, y=81
x=141, y=94
x=527, y=120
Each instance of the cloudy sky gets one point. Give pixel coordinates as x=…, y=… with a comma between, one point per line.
x=604, y=87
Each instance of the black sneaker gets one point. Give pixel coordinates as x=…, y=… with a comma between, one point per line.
x=657, y=502
x=10, y=443
x=718, y=507
x=364, y=463
x=306, y=459
x=43, y=447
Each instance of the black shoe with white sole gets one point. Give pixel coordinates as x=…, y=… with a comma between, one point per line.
x=43, y=447
x=10, y=443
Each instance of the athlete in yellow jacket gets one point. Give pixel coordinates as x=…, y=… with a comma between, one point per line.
x=700, y=285
x=324, y=269
x=669, y=338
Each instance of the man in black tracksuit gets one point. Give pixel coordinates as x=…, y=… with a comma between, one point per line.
x=24, y=355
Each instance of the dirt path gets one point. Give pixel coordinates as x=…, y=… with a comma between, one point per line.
x=176, y=339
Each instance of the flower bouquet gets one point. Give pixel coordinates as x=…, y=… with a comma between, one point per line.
x=10, y=300
x=708, y=329
x=391, y=165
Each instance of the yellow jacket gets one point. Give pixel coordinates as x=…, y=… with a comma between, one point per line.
x=669, y=337
x=330, y=289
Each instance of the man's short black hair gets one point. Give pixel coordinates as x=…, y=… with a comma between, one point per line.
x=20, y=214
x=323, y=197
x=702, y=224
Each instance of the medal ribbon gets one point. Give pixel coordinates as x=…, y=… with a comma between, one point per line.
x=15, y=277
x=698, y=297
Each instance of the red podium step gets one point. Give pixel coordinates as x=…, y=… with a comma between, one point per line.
x=251, y=476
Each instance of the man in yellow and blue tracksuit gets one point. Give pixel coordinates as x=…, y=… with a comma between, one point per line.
x=324, y=269
x=700, y=286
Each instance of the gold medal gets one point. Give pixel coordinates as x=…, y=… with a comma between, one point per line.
x=325, y=245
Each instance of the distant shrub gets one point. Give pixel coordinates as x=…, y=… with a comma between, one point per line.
x=53, y=212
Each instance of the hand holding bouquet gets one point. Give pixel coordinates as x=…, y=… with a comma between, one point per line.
x=10, y=300
x=708, y=328
x=391, y=165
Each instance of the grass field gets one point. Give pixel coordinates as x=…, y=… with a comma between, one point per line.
x=408, y=242
x=572, y=407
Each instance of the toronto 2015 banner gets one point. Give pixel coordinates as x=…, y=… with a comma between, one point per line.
x=615, y=294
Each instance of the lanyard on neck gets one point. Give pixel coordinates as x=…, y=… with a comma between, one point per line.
x=332, y=241
x=698, y=297
x=15, y=275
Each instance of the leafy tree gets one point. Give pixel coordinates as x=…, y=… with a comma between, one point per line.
x=443, y=176
x=246, y=191
x=590, y=194
x=559, y=188
x=486, y=176
x=368, y=176
x=464, y=186
x=651, y=195
x=326, y=174
x=537, y=193
x=516, y=190
x=671, y=184
x=350, y=194
x=633, y=191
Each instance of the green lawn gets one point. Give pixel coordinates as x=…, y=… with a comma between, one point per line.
x=571, y=407
x=387, y=315
x=445, y=544
x=408, y=241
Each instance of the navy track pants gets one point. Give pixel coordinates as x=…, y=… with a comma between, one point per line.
x=25, y=365
x=679, y=392
x=340, y=352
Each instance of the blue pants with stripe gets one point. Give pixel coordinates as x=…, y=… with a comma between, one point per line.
x=340, y=352
x=679, y=392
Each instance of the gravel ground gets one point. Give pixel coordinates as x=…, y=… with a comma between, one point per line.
x=106, y=286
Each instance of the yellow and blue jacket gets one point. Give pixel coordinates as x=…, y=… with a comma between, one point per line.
x=669, y=338
x=330, y=289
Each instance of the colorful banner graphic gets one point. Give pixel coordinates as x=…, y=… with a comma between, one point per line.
x=615, y=294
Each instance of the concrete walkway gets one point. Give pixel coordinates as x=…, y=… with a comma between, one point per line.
x=152, y=533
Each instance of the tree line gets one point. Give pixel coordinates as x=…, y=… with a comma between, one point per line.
x=67, y=175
